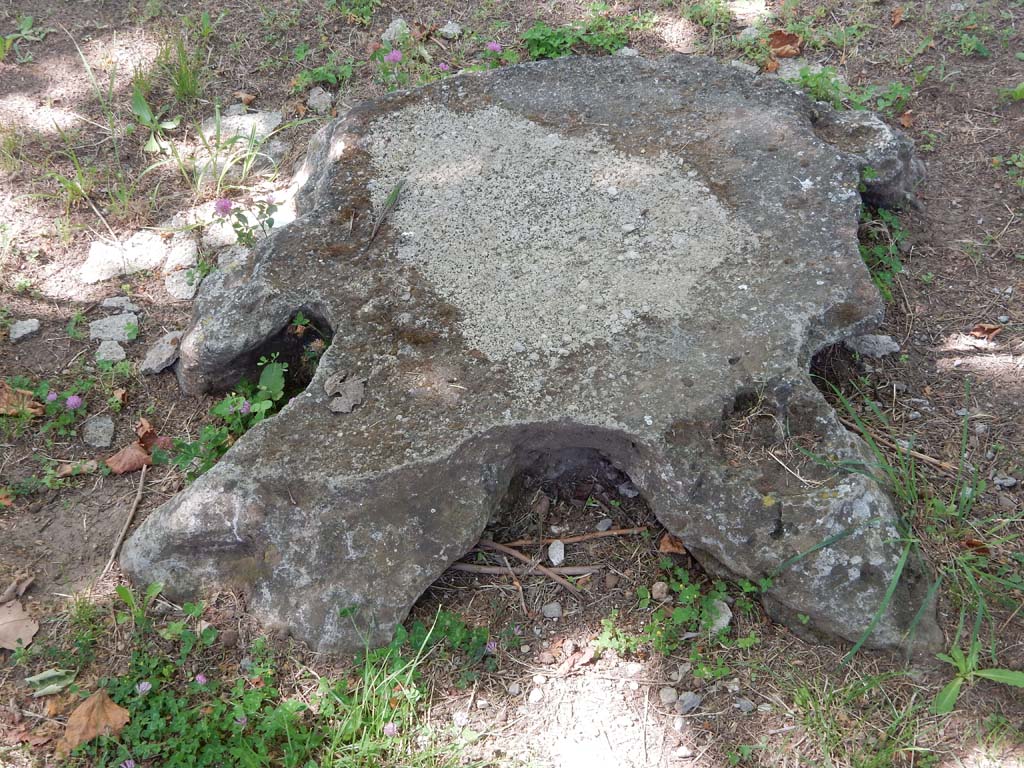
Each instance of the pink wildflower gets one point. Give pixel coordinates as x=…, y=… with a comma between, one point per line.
x=494, y=46
x=393, y=56
x=73, y=402
x=390, y=730
x=201, y=678
x=51, y=396
x=223, y=206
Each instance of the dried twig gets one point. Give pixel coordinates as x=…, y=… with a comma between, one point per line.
x=500, y=570
x=568, y=586
x=576, y=539
x=127, y=523
x=943, y=465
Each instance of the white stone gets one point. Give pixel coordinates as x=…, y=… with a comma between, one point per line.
x=556, y=552
x=395, y=30
x=143, y=250
x=319, y=100
x=110, y=351
x=114, y=327
x=98, y=431
x=182, y=284
x=450, y=31
x=162, y=354
x=122, y=303
x=552, y=610
x=24, y=329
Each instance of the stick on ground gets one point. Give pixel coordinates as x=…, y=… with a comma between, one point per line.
x=127, y=523
x=488, y=544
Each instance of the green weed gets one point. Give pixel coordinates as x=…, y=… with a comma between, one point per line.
x=332, y=73
x=713, y=15
x=234, y=415
x=26, y=32
x=184, y=69
x=151, y=120
x=1014, y=167
x=966, y=666
x=599, y=31
x=357, y=11
x=881, y=234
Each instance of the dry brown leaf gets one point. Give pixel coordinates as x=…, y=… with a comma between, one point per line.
x=670, y=545
x=897, y=16
x=121, y=395
x=16, y=589
x=77, y=468
x=6, y=498
x=14, y=402
x=147, y=435
x=16, y=626
x=785, y=45
x=94, y=717
x=771, y=65
x=987, y=331
x=907, y=119
x=131, y=458
x=245, y=97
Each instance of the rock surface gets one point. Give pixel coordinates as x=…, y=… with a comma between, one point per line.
x=23, y=329
x=98, y=431
x=564, y=283
x=319, y=100
x=162, y=354
x=872, y=345
x=110, y=351
x=114, y=327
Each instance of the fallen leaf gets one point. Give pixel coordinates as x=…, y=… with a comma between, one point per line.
x=541, y=506
x=977, y=545
x=907, y=119
x=77, y=468
x=670, y=545
x=16, y=589
x=132, y=457
x=120, y=394
x=15, y=402
x=94, y=717
x=50, y=682
x=6, y=498
x=897, y=16
x=785, y=45
x=245, y=97
x=16, y=626
x=147, y=435
x=771, y=65
x=987, y=331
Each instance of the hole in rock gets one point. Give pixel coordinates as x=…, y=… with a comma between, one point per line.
x=835, y=367
x=301, y=344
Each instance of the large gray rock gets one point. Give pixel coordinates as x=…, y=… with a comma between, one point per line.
x=567, y=282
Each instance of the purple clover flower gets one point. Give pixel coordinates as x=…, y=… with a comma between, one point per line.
x=390, y=730
x=73, y=402
x=201, y=678
x=129, y=763
x=223, y=206
x=51, y=396
x=143, y=687
x=491, y=647
x=241, y=720
x=443, y=67
x=393, y=56
x=494, y=46
x=246, y=407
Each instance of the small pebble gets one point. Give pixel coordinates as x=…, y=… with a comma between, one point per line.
x=556, y=554
x=228, y=638
x=980, y=429
x=687, y=702
x=482, y=704
x=744, y=705
x=536, y=695
x=914, y=415
x=961, y=412
x=683, y=751
x=539, y=679
x=515, y=689
x=659, y=590
x=679, y=723
x=1004, y=481
x=668, y=695
x=23, y=329
x=611, y=580
x=546, y=658
x=552, y=610
x=604, y=524
x=1003, y=319
x=524, y=648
